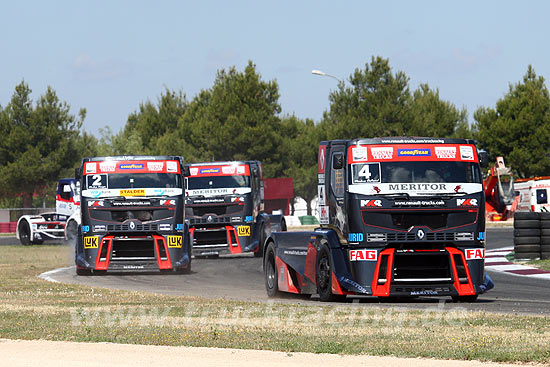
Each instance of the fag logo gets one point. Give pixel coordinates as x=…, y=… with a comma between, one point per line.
x=475, y=253
x=243, y=231
x=371, y=203
x=363, y=255
x=466, y=202
x=91, y=242
x=174, y=241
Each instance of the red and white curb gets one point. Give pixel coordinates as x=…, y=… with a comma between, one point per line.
x=495, y=260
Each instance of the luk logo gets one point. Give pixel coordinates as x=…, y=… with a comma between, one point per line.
x=363, y=255
x=466, y=202
x=371, y=203
x=91, y=242
x=174, y=241
x=243, y=231
x=475, y=253
x=355, y=237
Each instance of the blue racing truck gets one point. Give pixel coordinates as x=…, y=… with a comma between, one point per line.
x=400, y=217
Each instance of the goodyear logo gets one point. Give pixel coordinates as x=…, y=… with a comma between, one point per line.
x=414, y=152
x=132, y=192
x=243, y=231
x=174, y=241
x=91, y=242
x=210, y=170
x=131, y=166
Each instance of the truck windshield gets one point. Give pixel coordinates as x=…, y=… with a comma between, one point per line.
x=217, y=182
x=134, y=180
x=415, y=172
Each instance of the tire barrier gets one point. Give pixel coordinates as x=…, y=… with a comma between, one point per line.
x=545, y=236
x=528, y=235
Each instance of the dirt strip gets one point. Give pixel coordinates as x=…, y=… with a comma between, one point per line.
x=16, y=353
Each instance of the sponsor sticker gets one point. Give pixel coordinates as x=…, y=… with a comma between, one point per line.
x=371, y=203
x=363, y=255
x=248, y=218
x=91, y=242
x=132, y=192
x=171, y=166
x=193, y=171
x=445, y=152
x=155, y=166
x=474, y=253
x=229, y=170
x=243, y=231
x=466, y=153
x=179, y=226
x=323, y=214
x=85, y=229
x=321, y=195
x=419, y=203
x=100, y=228
x=322, y=158
x=107, y=166
x=414, y=152
x=359, y=153
x=91, y=167
x=167, y=202
x=382, y=152
x=165, y=227
x=131, y=166
x=209, y=170
x=174, y=241
x=355, y=237
x=466, y=202
x=241, y=170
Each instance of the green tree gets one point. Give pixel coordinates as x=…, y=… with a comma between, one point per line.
x=519, y=127
x=377, y=103
x=38, y=143
x=299, y=151
x=236, y=119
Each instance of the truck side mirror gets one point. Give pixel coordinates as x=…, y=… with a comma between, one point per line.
x=186, y=172
x=483, y=159
x=338, y=161
x=77, y=173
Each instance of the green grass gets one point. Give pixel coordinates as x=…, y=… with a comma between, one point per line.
x=540, y=264
x=32, y=308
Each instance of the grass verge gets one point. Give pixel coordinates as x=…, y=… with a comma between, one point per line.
x=540, y=264
x=31, y=308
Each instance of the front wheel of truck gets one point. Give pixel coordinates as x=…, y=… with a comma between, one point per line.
x=324, y=276
x=260, y=251
x=465, y=299
x=270, y=272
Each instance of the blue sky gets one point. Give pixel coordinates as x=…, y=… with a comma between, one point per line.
x=109, y=56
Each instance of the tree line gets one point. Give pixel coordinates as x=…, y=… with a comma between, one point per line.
x=239, y=118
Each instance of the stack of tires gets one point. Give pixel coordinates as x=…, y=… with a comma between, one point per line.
x=527, y=235
x=545, y=236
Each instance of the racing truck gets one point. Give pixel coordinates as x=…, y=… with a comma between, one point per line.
x=132, y=215
x=399, y=217
x=35, y=229
x=224, y=207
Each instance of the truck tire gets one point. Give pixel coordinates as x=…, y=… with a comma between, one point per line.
x=283, y=225
x=324, y=276
x=24, y=233
x=527, y=240
x=526, y=255
x=527, y=223
x=270, y=272
x=544, y=231
x=523, y=232
x=187, y=270
x=83, y=272
x=469, y=299
x=526, y=216
x=263, y=236
x=529, y=247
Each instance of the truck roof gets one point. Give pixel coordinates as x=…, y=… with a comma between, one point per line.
x=403, y=140
x=221, y=163
x=133, y=158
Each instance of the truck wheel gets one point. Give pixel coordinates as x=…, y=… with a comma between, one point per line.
x=260, y=251
x=283, y=225
x=187, y=270
x=24, y=232
x=270, y=272
x=83, y=272
x=324, y=276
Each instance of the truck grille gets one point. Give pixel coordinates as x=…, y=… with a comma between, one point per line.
x=133, y=249
x=125, y=227
x=422, y=266
x=202, y=210
x=212, y=220
x=405, y=219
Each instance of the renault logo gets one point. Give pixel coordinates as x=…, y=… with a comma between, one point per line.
x=132, y=225
x=209, y=219
x=420, y=234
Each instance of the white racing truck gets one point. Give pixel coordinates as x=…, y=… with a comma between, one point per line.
x=35, y=229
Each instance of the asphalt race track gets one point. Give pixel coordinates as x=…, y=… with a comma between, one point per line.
x=241, y=277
